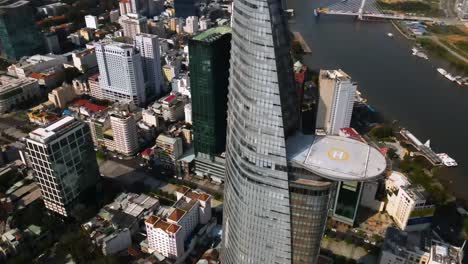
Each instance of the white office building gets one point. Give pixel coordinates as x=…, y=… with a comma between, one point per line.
x=167, y=236
x=64, y=162
x=124, y=132
x=121, y=74
x=133, y=24
x=91, y=21
x=337, y=93
x=191, y=25
x=148, y=46
x=409, y=205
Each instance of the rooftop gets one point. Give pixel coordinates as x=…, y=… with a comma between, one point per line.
x=8, y=83
x=335, y=157
x=156, y=222
x=212, y=34
x=334, y=74
x=44, y=134
x=176, y=215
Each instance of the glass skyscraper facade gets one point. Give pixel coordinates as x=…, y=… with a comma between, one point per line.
x=64, y=163
x=278, y=181
x=18, y=34
x=262, y=111
x=209, y=79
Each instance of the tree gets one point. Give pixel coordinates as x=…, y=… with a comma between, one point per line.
x=70, y=73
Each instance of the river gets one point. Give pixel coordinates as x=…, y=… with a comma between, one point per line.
x=400, y=86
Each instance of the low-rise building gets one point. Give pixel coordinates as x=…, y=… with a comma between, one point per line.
x=94, y=87
x=409, y=205
x=84, y=60
x=61, y=96
x=37, y=63
x=167, y=236
x=168, y=149
x=112, y=228
x=401, y=247
x=14, y=91
x=170, y=108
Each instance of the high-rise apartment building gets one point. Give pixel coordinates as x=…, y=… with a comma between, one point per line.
x=64, y=162
x=148, y=46
x=336, y=100
x=209, y=79
x=91, y=21
x=148, y=8
x=18, y=35
x=124, y=132
x=191, y=25
x=133, y=24
x=278, y=181
x=121, y=73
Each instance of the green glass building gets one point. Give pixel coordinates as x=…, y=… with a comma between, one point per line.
x=18, y=34
x=348, y=197
x=209, y=78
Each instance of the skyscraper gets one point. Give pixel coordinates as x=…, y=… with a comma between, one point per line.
x=336, y=100
x=133, y=24
x=278, y=181
x=18, y=35
x=121, y=75
x=209, y=79
x=64, y=162
x=148, y=45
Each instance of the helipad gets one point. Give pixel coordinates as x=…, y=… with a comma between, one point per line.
x=335, y=157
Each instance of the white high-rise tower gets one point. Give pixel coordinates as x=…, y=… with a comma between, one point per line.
x=121, y=78
x=148, y=46
x=337, y=94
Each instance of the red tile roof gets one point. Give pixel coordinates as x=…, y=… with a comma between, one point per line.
x=88, y=105
x=176, y=215
x=170, y=98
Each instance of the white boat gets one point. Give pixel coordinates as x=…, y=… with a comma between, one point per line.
x=390, y=35
x=442, y=71
x=450, y=77
x=422, y=55
x=446, y=160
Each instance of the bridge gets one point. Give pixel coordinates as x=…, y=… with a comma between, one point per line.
x=366, y=10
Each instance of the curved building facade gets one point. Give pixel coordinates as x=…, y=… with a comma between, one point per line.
x=276, y=190
x=261, y=112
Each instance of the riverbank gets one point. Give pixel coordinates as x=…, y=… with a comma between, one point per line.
x=438, y=42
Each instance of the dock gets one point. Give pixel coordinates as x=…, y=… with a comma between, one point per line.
x=298, y=37
x=424, y=150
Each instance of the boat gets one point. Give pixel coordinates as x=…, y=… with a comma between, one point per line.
x=446, y=160
x=422, y=55
x=390, y=35
x=442, y=71
x=450, y=77
x=419, y=53
x=459, y=80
